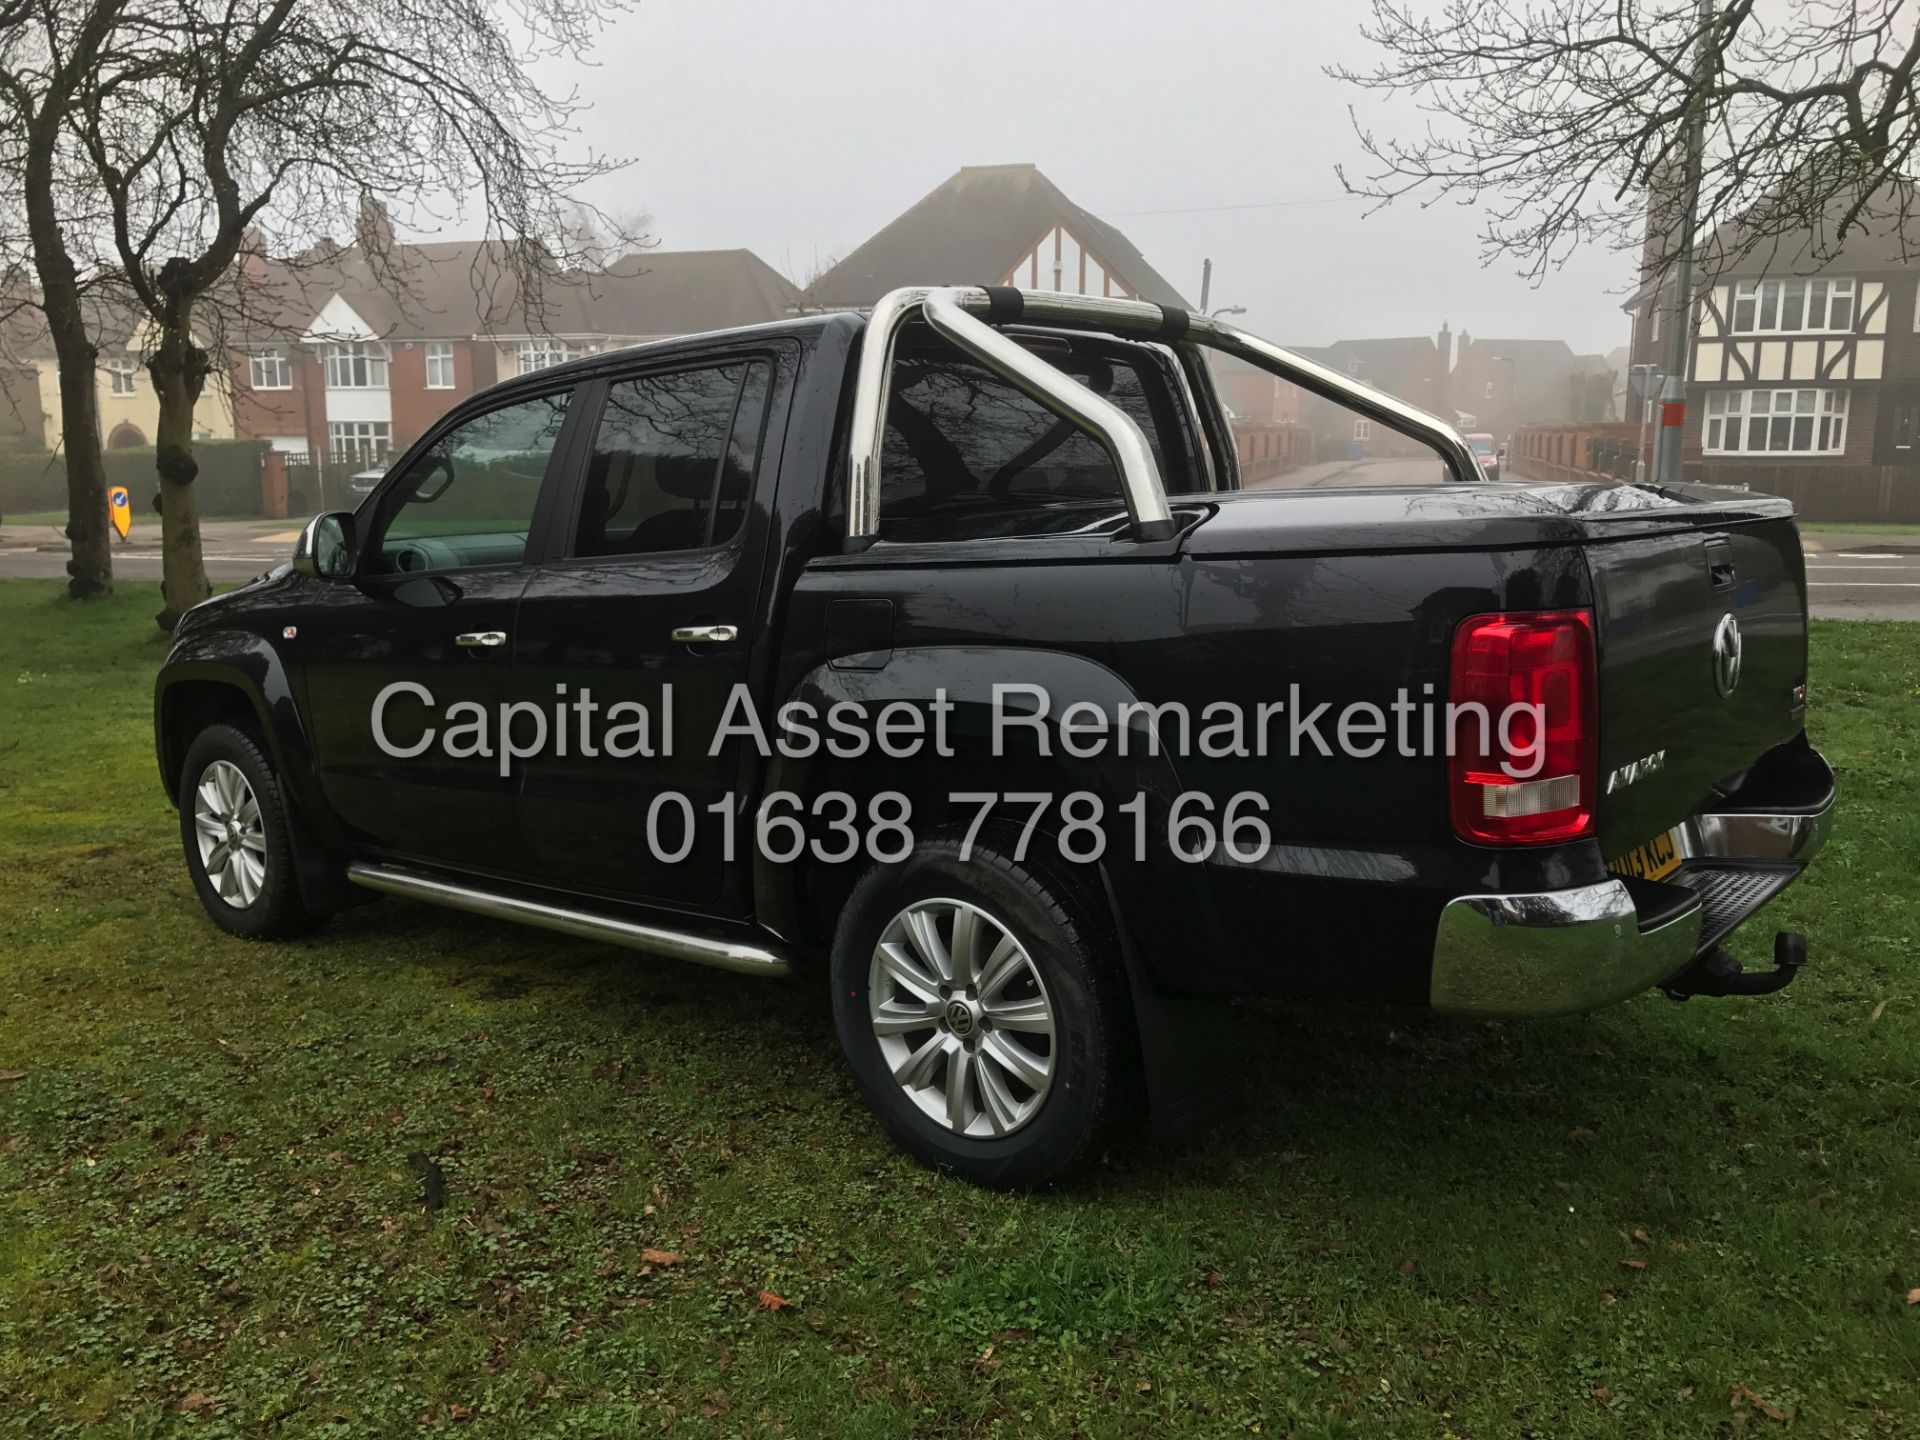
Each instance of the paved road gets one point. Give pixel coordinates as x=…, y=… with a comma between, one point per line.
x=1849, y=577
x=1865, y=583
x=224, y=567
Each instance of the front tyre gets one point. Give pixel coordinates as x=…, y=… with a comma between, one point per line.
x=984, y=1012
x=234, y=828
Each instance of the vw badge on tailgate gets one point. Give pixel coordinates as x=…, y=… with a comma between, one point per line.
x=1726, y=654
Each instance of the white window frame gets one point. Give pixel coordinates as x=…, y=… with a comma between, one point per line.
x=369, y=437
x=539, y=354
x=270, y=368
x=440, y=362
x=1767, y=303
x=120, y=372
x=357, y=365
x=1799, y=420
x=1362, y=430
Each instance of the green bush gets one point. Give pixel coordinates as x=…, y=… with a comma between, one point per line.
x=228, y=486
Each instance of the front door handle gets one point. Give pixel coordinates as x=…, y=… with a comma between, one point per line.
x=484, y=639
x=704, y=634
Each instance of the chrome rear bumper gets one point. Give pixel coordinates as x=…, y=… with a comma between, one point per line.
x=1565, y=951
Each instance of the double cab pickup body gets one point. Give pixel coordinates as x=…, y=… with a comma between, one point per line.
x=949, y=653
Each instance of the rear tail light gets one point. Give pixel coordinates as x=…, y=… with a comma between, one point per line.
x=1531, y=779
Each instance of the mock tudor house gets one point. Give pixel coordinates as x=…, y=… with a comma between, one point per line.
x=356, y=351
x=993, y=225
x=1813, y=365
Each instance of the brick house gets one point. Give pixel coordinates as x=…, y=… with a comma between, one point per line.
x=356, y=359
x=993, y=225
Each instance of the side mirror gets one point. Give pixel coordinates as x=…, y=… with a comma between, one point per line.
x=326, y=547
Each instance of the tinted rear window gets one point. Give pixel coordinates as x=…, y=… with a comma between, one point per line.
x=963, y=443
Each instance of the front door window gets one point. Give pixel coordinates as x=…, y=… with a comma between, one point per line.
x=469, y=500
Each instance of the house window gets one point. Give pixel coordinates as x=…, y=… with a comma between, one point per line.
x=360, y=439
x=439, y=365
x=539, y=354
x=1792, y=307
x=1363, y=430
x=358, y=365
x=120, y=373
x=1776, y=422
x=269, y=369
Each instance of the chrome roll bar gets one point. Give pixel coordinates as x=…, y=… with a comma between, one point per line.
x=954, y=313
x=1139, y=473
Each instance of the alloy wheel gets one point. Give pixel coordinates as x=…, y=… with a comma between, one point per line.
x=962, y=1017
x=230, y=833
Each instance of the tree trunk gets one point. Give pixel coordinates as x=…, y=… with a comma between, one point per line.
x=90, y=570
x=179, y=371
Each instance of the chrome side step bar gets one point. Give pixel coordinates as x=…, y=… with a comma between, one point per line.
x=739, y=956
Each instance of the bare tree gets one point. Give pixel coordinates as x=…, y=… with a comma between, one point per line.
x=49, y=51
x=1565, y=121
x=226, y=117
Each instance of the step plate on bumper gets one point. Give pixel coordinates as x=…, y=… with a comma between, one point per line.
x=1564, y=951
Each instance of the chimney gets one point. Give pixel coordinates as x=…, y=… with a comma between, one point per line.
x=373, y=229
x=253, y=256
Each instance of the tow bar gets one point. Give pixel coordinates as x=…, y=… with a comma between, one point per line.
x=1718, y=973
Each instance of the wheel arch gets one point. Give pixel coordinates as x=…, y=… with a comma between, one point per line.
x=1161, y=909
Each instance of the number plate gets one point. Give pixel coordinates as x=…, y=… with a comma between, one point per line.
x=1658, y=858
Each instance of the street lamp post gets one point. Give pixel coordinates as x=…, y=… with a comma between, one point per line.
x=1643, y=392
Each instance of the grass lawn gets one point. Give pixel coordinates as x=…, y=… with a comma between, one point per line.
x=1662, y=1220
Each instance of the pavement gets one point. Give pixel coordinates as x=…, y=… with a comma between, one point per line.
x=1850, y=576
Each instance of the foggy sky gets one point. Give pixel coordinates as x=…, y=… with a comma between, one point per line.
x=798, y=129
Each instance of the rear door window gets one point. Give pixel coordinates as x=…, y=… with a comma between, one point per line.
x=673, y=460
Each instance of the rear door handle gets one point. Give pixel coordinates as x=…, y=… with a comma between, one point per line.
x=483, y=639
x=705, y=634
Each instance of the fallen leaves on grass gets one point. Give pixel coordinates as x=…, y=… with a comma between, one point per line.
x=1633, y=1264
x=770, y=1301
x=194, y=1402
x=1744, y=1399
x=1602, y=1395
x=7, y=1076
x=662, y=1258
x=1913, y=1296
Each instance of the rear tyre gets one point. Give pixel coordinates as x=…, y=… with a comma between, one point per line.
x=235, y=830
x=985, y=1014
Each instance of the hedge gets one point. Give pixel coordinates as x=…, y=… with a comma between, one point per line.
x=228, y=486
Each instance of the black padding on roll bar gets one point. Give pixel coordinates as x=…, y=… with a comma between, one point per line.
x=1004, y=305
x=1174, y=324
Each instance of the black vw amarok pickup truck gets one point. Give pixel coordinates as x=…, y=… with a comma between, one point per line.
x=957, y=649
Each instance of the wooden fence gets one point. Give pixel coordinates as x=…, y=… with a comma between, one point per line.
x=1269, y=449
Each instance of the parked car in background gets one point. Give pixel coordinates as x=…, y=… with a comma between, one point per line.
x=364, y=482
x=976, y=491
x=1486, y=450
